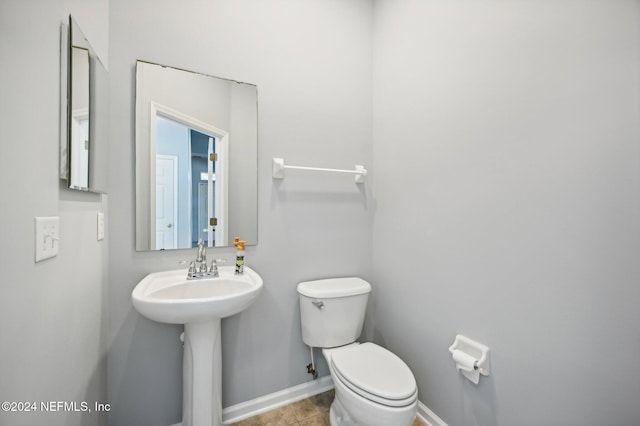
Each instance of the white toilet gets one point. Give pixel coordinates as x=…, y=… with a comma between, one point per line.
x=373, y=386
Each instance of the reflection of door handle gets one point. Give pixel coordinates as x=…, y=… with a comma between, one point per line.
x=169, y=225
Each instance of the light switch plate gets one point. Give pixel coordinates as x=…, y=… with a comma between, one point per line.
x=47, y=237
x=100, y=226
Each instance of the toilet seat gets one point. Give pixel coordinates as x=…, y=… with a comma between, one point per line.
x=375, y=373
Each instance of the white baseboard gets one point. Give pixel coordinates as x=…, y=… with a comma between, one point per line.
x=260, y=405
x=428, y=416
x=244, y=410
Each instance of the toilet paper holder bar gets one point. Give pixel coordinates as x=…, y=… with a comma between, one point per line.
x=476, y=350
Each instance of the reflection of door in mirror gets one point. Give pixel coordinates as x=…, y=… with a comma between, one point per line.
x=201, y=222
x=79, y=120
x=188, y=207
x=166, y=201
x=80, y=149
x=206, y=208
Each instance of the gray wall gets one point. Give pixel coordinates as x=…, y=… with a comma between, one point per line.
x=311, y=62
x=506, y=151
x=52, y=315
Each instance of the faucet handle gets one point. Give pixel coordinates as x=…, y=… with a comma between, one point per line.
x=213, y=269
x=192, y=268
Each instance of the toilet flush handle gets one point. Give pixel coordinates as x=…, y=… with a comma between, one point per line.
x=318, y=304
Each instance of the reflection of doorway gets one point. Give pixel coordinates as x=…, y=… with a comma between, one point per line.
x=166, y=201
x=201, y=185
x=204, y=231
x=208, y=156
x=79, y=153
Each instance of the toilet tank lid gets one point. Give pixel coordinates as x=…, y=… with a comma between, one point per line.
x=334, y=287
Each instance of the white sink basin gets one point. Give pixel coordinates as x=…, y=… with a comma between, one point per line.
x=200, y=305
x=170, y=297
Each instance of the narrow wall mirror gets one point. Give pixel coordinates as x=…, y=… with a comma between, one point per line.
x=196, y=159
x=78, y=69
x=79, y=125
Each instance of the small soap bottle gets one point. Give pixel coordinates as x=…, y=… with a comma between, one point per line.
x=239, y=255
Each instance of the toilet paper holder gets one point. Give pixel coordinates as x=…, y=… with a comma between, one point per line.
x=475, y=350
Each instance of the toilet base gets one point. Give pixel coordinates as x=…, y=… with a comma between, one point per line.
x=338, y=416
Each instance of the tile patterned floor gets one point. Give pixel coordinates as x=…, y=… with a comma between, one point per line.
x=312, y=411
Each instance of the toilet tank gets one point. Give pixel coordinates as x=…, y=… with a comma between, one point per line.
x=332, y=310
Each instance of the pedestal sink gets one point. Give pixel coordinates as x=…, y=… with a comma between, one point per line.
x=199, y=304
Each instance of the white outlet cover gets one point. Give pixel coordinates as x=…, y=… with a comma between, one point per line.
x=47, y=237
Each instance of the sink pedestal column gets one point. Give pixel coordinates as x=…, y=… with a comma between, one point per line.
x=202, y=369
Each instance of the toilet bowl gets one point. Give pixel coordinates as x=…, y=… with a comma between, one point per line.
x=373, y=386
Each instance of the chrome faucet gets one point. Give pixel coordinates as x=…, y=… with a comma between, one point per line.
x=202, y=256
x=201, y=259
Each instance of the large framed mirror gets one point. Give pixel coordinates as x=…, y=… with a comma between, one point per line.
x=78, y=69
x=196, y=159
